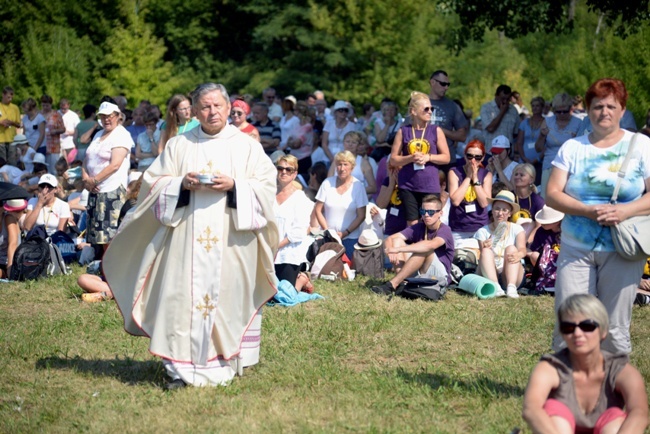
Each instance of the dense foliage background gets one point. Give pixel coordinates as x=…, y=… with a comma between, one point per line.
x=359, y=50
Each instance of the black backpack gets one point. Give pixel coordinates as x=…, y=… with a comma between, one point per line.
x=32, y=257
x=421, y=288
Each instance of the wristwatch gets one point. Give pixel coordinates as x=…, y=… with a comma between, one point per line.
x=477, y=183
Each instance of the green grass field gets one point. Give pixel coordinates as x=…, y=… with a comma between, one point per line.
x=352, y=362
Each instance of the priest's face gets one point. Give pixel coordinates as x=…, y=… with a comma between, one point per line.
x=212, y=111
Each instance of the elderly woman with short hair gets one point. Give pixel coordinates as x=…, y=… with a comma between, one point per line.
x=581, y=186
x=292, y=211
x=554, y=132
x=105, y=174
x=341, y=202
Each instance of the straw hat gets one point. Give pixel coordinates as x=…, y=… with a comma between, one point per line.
x=367, y=240
x=507, y=197
x=548, y=215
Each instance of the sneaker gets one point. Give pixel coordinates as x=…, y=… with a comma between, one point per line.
x=385, y=288
x=511, y=292
x=499, y=292
x=642, y=299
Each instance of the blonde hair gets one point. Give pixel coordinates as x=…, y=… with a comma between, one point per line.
x=290, y=159
x=416, y=98
x=587, y=305
x=529, y=169
x=345, y=156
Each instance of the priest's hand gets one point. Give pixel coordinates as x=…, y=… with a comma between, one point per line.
x=191, y=181
x=222, y=183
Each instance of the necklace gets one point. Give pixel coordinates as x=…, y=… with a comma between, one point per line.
x=339, y=131
x=418, y=144
x=435, y=231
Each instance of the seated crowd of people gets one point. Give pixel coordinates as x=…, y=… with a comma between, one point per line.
x=399, y=179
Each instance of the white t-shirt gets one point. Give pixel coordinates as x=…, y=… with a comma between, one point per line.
x=70, y=120
x=336, y=135
x=98, y=157
x=499, y=246
x=51, y=216
x=13, y=173
x=340, y=210
x=287, y=129
x=292, y=218
x=28, y=159
x=32, y=133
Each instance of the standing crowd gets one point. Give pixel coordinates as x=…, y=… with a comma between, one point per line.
x=525, y=192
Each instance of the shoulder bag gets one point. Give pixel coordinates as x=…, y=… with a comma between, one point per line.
x=632, y=236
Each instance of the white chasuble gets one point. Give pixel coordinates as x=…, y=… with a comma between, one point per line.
x=193, y=277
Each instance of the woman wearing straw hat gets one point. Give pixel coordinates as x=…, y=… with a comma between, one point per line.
x=13, y=210
x=503, y=246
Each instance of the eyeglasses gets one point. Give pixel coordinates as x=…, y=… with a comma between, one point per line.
x=183, y=109
x=443, y=83
x=429, y=212
x=500, y=210
x=474, y=157
x=587, y=326
x=427, y=109
x=236, y=113
x=289, y=170
x=561, y=112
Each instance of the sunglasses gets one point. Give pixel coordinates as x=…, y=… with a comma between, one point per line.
x=587, y=326
x=561, y=112
x=236, y=113
x=429, y=212
x=474, y=157
x=45, y=186
x=286, y=169
x=427, y=109
x=443, y=83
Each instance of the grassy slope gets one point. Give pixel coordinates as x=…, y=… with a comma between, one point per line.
x=352, y=362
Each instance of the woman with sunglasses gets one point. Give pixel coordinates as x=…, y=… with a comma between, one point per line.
x=178, y=120
x=418, y=149
x=554, y=132
x=583, y=388
x=47, y=209
x=470, y=188
x=238, y=113
x=292, y=212
x=503, y=246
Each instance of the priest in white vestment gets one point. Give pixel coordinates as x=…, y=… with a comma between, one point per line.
x=192, y=264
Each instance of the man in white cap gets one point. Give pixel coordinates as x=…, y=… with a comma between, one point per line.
x=192, y=265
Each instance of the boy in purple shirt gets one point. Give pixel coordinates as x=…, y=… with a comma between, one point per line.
x=426, y=248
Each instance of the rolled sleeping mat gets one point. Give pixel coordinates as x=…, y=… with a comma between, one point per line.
x=478, y=285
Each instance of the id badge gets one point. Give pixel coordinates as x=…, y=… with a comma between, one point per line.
x=394, y=211
x=470, y=208
x=418, y=166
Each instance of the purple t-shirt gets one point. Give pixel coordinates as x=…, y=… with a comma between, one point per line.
x=395, y=216
x=532, y=203
x=425, y=180
x=459, y=219
x=544, y=237
x=445, y=253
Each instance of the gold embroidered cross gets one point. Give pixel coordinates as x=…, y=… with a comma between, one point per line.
x=206, y=307
x=208, y=171
x=209, y=241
